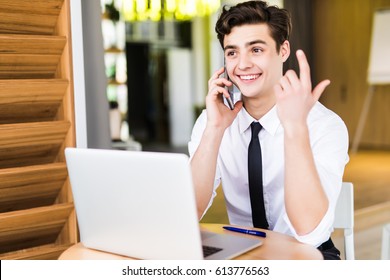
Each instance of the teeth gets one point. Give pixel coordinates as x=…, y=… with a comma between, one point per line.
x=249, y=77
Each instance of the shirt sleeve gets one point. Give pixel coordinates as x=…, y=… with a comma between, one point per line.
x=329, y=141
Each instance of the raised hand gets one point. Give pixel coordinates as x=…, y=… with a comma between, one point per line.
x=294, y=95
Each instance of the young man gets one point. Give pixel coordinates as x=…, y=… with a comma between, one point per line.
x=304, y=146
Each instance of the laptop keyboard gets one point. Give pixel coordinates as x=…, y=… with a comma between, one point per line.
x=209, y=250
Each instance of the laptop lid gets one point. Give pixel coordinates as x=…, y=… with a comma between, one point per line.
x=140, y=204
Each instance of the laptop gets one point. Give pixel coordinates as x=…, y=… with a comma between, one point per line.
x=142, y=205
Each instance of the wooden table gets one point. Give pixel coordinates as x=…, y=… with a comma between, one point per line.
x=276, y=246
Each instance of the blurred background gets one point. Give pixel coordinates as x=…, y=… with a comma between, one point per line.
x=158, y=56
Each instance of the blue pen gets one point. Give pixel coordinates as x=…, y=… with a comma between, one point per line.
x=246, y=231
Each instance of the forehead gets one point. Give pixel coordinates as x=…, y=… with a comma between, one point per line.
x=240, y=36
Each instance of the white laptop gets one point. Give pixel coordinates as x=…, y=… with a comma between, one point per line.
x=142, y=205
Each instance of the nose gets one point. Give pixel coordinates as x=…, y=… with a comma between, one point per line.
x=244, y=62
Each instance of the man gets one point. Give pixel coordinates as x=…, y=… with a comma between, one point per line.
x=304, y=146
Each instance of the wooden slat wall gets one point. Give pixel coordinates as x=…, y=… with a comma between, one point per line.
x=37, y=218
x=29, y=17
x=342, y=37
x=31, y=99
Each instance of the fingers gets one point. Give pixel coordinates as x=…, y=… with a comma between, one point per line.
x=290, y=80
x=237, y=106
x=304, y=69
x=216, y=75
x=217, y=92
x=217, y=84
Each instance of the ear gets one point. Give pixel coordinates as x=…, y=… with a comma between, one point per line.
x=285, y=50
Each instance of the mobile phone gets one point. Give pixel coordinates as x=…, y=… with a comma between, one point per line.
x=234, y=93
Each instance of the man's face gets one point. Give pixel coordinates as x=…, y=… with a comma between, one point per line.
x=252, y=61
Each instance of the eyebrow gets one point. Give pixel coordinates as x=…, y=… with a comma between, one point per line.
x=246, y=44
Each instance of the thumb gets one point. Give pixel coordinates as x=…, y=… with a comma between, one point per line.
x=319, y=89
x=238, y=106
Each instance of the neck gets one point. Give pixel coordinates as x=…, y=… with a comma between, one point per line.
x=258, y=107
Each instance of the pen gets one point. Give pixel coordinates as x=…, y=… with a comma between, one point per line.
x=246, y=231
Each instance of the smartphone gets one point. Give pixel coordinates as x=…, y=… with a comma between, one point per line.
x=234, y=93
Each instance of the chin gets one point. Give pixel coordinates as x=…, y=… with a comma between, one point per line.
x=250, y=94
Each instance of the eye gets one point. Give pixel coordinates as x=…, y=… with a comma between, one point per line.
x=257, y=50
x=230, y=53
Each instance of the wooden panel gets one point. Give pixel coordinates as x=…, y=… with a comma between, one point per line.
x=29, y=155
x=69, y=234
x=30, y=100
x=30, y=56
x=65, y=70
x=342, y=35
x=16, y=177
x=45, y=252
x=20, y=66
x=29, y=17
x=376, y=133
x=31, y=186
x=32, y=227
x=37, y=218
x=31, y=143
x=31, y=44
x=32, y=134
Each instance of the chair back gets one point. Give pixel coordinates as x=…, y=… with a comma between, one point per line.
x=344, y=218
x=385, y=251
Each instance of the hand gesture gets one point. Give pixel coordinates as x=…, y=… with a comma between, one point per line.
x=294, y=95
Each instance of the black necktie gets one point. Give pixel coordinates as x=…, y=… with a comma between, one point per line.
x=255, y=175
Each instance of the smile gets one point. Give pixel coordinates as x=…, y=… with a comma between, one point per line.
x=249, y=77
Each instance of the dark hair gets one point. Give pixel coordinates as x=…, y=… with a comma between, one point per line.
x=252, y=12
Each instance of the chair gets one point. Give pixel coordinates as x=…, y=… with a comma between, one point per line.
x=344, y=218
x=385, y=254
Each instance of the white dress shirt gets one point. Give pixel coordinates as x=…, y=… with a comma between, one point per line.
x=329, y=142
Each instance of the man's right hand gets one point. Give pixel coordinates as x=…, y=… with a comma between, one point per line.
x=218, y=114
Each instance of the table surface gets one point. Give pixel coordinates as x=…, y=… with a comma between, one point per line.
x=276, y=246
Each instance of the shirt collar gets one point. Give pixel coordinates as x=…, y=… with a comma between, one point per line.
x=270, y=121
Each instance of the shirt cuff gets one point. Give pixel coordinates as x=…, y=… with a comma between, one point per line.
x=317, y=236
